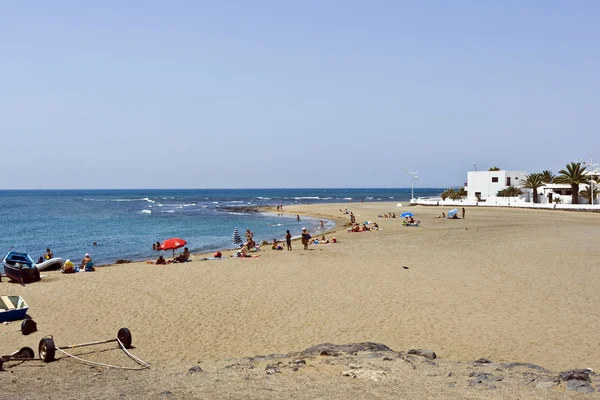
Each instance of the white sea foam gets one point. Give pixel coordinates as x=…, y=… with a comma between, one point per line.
x=146, y=212
x=307, y=198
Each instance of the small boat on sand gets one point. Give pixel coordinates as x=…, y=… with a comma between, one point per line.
x=19, y=267
x=50, y=265
x=12, y=308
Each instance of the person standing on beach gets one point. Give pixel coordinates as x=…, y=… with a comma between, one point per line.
x=463, y=212
x=288, y=240
x=305, y=238
x=298, y=217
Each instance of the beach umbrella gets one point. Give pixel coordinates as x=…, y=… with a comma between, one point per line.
x=406, y=214
x=172, y=244
x=452, y=212
x=236, y=238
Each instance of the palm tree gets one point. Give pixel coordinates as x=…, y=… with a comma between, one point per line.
x=462, y=192
x=494, y=169
x=574, y=175
x=447, y=193
x=534, y=181
x=511, y=191
x=587, y=192
x=547, y=176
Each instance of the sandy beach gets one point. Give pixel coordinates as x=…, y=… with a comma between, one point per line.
x=511, y=285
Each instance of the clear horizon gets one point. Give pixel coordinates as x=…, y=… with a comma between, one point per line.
x=273, y=94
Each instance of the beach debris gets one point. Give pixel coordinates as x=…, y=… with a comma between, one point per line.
x=166, y=394
x=194, y=370
x=405, y=267
x=423, y=353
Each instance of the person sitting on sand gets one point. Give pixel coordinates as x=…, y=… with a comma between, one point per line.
x=86, y=259
x=276, y=246
x=161, y=260
x=442, y=216
x=185, y=256
x=251, y=244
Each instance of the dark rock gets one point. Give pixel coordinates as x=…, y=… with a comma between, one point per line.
x=350, y=348
x=194, y=370
x=576, y=374
x=166, y=394
x=483, y=361
x=329, y=353
x=123, y=261
x=299, y=361
x=527, y=365
x=480, y=376
x=579, y=386
x=427, y=361
x=239, y=209
x=423, y=353
x=387, y=359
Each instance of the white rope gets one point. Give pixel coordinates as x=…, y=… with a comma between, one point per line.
x=134, y=358
x=144, y=364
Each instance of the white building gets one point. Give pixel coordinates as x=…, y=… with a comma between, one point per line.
x=484, y=185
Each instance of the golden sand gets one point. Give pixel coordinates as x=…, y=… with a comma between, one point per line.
x=503, y=283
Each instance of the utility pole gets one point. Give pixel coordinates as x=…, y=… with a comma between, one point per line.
x=592, y=166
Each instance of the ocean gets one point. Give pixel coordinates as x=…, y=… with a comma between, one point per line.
x=125, y=223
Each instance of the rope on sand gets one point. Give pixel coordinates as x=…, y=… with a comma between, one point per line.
x=143, y=364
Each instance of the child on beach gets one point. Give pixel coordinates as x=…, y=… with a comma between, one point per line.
x=276, y=246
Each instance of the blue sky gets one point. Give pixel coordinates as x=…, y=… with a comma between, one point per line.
x=240, y=94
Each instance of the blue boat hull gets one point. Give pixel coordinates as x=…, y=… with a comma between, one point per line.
x=13, y=315
x=19, y=267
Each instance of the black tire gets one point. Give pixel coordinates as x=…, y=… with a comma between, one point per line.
x=47, y=350
x=28, y=326
x=124, y=336
x=26, y=352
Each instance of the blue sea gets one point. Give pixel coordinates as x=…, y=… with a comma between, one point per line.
x=125, y=223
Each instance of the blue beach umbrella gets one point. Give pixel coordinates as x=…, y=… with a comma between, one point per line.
x=406, y=214
x=452, y=212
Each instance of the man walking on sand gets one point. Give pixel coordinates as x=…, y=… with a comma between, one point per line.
x=463, y=212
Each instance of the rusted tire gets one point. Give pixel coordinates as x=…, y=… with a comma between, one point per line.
x=124, y=336
x=47, y=350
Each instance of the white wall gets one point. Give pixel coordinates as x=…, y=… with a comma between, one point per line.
x=481, y=182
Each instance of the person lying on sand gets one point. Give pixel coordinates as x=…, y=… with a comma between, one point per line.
x=159, y=261
x=441, y=216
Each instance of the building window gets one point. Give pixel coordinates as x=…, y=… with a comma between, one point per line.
x=494, y=179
